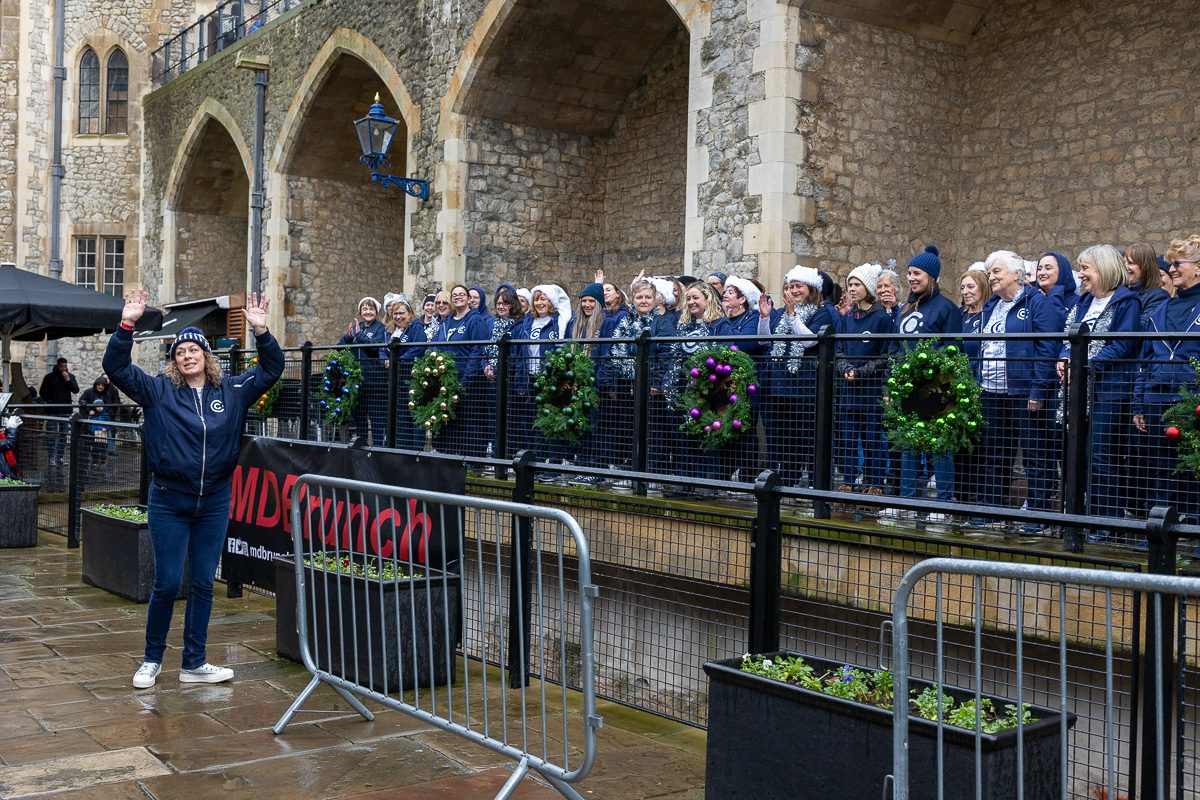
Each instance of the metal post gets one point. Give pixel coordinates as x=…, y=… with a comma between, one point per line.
x=143, y=467
x=393, y=392
x=57, y=171
x=200, y=39
x=1158, y=657
x=166, y=70
x=306, y=352
x=641, y=408
x=220, y=27
x=520, y=592
x=235, y=359
x=1075, y=457
x=822, y=466
x=766, y=564
x=257, y=200
x=503, y=371
x=74, y=427
x=183, y=51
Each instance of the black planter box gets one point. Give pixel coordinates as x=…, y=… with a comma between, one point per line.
x=395, y=606
x=19, y=515
x=118, y=556
x=768, y=739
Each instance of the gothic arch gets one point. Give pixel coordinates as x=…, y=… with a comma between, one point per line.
x=209, y=109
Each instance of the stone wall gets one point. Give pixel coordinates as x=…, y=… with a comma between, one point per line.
x=884, y=140
x=210, y=255
x=347, y=243
x=10, y=31
x=1080, y=127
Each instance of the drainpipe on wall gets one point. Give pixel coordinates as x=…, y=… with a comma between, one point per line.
x=56, y=169
x=260, y=64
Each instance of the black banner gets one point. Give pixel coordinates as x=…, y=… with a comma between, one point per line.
x=260, y=525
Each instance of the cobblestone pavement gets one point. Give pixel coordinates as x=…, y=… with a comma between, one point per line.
x=72, y=725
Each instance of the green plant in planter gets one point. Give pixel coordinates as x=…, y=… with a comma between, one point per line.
x=373, y=568
x=13, y=482
x=876, y=689
x=122, y=512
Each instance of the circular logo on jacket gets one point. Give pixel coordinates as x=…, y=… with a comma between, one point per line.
x=912, y=323
x=1023, y=313
x=216, y=406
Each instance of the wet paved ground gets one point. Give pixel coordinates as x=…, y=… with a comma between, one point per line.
x=72, y=725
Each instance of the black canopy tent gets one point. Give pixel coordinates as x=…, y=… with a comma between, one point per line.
x=34, y=307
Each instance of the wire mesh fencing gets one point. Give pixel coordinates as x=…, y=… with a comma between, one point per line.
x=43, y=456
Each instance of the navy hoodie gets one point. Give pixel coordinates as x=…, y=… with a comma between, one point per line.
x=1029, y=364
x=1062, y=295
x=468, y=358
x=935, y=314
x=192, y=442
x=867, y=356
x=1112, y=369
x=369, y=358
x=1166, y=363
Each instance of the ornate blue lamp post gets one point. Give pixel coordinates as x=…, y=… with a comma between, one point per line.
x=375, y=133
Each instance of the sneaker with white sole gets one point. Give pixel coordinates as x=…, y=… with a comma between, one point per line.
x=146, y=675
x=205, y=673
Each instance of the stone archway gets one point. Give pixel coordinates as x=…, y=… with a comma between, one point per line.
x=331, y=233
x=206, y=209
x=567, y=142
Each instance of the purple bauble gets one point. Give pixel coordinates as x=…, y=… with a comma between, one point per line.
x=695, y=412
x=733, y=398
x=752, y=388
x=737, y=424
x=733, y=347
x=716, y=425
x=727, y=369
x=711, y=362
x=695, y=372
x=712, y=378
x=708, y=428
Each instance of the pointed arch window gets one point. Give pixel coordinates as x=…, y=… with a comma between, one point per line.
x=89, y=92
x=116, y=115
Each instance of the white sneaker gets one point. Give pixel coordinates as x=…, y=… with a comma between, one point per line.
x=205, y=673
x=146, y=675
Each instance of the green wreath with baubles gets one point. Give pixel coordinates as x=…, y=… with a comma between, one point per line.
x=565, y=394
x=434, y=391
x=716, y=401
x=265, y=404
x=931, y=402
x=341, y=386
x=1182, y=426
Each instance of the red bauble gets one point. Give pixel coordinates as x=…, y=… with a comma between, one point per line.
x=1198, y=411
x=1173, y=433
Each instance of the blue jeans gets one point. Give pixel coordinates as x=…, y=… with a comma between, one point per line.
x=942, y=467
x=184, y=525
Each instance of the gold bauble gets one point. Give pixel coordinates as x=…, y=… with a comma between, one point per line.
x=443, y=390
x=425, y=384
x=428, y=371
x=445, y=418
x=411, y=404
x=455, y=398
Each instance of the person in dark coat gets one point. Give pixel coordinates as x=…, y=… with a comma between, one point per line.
x=1107, y=305
x=927, y=311
x=57, y=388
x=1056, y=281
x=194, y=418
x=1017, y=378
x=462, y=435
x=741, y=308
x=1145, y=279
x=1165, y=369
x=95, y=405
x=974, y=290
x=372, y=404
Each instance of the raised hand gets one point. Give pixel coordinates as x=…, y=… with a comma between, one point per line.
x=256, y=313
x=599, y=276
x=135, y=306
x=765, y=306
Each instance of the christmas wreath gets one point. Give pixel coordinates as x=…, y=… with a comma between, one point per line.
x=565, y=394
x=341, y=387
x=717, y=399
x=434, y=391
x=264, y=405
x=931, y=403
x=1182, y=423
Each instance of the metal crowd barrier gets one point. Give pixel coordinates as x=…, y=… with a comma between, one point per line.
x=1049, y=606
x=505, y=586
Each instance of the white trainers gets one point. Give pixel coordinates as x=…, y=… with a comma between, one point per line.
x=205, y=673
x=146, y=675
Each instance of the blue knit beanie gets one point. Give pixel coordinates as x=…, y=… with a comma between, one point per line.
x=1162, y=264
x=194, y=335
x=928, y=262
x=594, y=291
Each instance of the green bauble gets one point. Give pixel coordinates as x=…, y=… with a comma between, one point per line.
x=920, y=426
x=539, y=399
x=569, y=374
x=908, y=387
x=929, y=374
x=972, y=424
x=960, y=388
x=952, y=350
x=951, y=417
x=922, y=358
x=569, y=411
x=571, y=421
x=891, y=383
x=545, y=412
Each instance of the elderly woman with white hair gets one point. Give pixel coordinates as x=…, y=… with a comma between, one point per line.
x=369, y=330
x=1017, y=378
x=790, y=408
x=1107, y=306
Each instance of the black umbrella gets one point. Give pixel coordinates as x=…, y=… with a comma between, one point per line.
x=34, y=307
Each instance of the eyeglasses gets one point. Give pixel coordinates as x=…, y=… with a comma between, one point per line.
x=457, y=296
x=1173, y=264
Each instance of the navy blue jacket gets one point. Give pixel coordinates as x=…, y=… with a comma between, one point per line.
x=867, y=356
x=369, y=358
x=802, y=382
x=973, y=323
x=600, y=348
x=1165, y=363
x=666, y=354
x=1112, y=370
x=1149, y=300
x=1062, y=296
x=523, y=370
x=468, y=358
x=935, y=314
x=1029, y=364
x=192, y=443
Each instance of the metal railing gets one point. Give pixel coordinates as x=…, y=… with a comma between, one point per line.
x=1096, y=759
x=211, y=33
x=388, y=628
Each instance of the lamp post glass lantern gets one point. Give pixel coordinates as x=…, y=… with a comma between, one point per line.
x=375, y=134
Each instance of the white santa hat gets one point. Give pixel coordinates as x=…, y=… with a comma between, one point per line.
x=561, y=301
x=809, y=276
x=747, y=289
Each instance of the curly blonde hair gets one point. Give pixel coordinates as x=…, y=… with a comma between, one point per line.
x=212, y=372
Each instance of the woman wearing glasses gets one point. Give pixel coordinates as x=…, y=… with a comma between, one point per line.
x=1165, y=369
x=465, y=325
